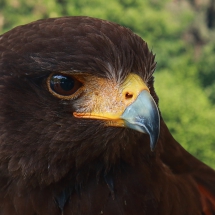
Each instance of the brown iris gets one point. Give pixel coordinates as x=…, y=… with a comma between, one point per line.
x=63, y=85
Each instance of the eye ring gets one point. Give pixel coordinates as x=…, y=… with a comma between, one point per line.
x=64, y=86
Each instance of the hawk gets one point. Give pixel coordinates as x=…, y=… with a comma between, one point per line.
x=80, y=127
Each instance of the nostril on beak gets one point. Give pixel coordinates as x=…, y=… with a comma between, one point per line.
x=128, y=95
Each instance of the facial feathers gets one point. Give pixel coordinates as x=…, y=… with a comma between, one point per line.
x=48, y=139
x=78, y=114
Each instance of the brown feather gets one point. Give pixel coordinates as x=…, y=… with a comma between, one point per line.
x=53, y=163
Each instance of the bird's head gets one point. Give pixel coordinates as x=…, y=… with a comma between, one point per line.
x=73, y=91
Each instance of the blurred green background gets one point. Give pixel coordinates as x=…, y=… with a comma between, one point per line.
x=181, y=33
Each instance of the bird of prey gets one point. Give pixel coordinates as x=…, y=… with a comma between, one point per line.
x=81, y=132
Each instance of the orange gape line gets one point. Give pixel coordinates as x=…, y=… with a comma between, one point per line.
x=82, y=115
x=88, y=116
x=109, y=121
x=208, y=201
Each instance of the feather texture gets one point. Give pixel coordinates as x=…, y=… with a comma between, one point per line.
x=54, y=163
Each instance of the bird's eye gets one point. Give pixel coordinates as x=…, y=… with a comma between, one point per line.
x=63, y=85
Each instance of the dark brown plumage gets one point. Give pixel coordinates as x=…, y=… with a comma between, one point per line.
x=55, y=161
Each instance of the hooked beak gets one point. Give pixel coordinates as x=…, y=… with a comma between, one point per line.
x=143, y=115
x=130, y=106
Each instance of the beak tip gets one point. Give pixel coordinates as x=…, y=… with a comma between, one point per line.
x=143, y=116
x=153, y=145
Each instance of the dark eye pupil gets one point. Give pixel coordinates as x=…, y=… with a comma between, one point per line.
x=63, y=82
x=66, y=83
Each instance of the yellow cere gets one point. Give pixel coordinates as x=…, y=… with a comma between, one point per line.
x=107, y=100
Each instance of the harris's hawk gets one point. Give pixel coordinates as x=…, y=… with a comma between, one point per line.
x=79, y=122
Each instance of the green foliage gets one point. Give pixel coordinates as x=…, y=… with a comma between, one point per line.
x=185, y=85
x=206, y=67
x=188, y=113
